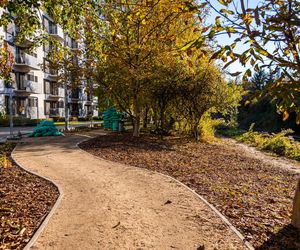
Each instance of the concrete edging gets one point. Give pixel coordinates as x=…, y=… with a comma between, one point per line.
x=58, y=201
x=212, y=207
x=45, y=221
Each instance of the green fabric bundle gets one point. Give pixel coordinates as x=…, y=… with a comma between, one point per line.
x=45, y=128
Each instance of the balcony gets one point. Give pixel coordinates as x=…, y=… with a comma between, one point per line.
x=10, y=36
x=74, y=97
x=25, y=87
x=56, y=32
x=52, y=112
x=32, y=112
x=52, y=93
x=74, y=113
x=74, y=45
x=95, y=99
x=25, y=62
x=51, y=74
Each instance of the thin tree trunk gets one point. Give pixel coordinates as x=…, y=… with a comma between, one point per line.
x=296, y=208
x=136, y=128
x=137, y=120
x=196, y=132
x=66, y=107
x=145, y=123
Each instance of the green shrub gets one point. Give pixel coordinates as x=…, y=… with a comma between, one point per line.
x=252, y=138
x=73, y=119
x=208, y=126
x=83, y=119
x=282, y=145
x=228, y=131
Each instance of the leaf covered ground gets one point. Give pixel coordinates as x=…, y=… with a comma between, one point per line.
x=255, y=196
x=25, y=200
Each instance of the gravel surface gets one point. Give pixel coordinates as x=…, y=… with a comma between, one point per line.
x=108, y=205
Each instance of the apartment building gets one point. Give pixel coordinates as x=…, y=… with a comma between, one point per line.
x=35, y=89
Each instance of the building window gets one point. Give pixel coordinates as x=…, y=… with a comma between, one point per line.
x=31, y=77
x=61, y=104
x=32, y=102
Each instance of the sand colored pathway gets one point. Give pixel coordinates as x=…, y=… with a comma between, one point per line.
x=106, y=205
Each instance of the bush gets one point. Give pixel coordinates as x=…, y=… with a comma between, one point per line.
x=282, y=145
x=96, y=118
x=83, y=119
x=252, y=137
x=227, y=130
x=5, y=150
x=207, y=127
x=279, y=143
x=73, y=119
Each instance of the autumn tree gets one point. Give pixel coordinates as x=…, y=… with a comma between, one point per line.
x=205, y=90
x=138, y=32
x=6, y=62
x=271, y=28
x=270, y=32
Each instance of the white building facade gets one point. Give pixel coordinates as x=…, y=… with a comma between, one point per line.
x=36, y=92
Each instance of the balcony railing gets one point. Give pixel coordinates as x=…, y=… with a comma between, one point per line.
x=25, y=85
x=52, y=29
x=26, y=60
x=53, y=112
x=52, y=91
x=56, y=31
x=74, y=45
x=74, y=113
x=74, y=96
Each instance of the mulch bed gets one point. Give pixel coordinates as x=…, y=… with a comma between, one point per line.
x=25, y=200
x=256, y=197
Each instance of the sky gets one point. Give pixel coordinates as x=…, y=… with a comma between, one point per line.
x=225, y=40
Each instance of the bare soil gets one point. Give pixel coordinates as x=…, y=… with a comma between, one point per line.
x=25, y=200
x=253, y=193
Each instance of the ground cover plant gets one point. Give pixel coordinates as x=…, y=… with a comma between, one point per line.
x=25, y=200
x=256, y=197
x=279, y=143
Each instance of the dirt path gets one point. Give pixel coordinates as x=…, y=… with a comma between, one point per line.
x=107, y=205
x=265, y=157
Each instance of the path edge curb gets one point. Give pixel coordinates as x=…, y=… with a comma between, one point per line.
x=212, y=207
x=45, y=221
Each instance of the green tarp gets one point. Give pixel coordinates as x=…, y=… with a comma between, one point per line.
x=45, y=128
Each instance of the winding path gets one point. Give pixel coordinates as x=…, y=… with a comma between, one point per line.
x=107, y=205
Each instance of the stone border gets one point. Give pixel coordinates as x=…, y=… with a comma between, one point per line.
x=46, y=219
x=217, y=212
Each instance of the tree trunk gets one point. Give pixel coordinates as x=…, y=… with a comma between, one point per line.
x=296, y=208
x=66, y=107
x=145, y=123
x=136, y=128
x=137, y=120
x=196, y=131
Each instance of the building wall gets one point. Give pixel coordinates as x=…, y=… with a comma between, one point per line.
x=28, y=89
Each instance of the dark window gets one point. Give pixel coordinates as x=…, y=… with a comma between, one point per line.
x=32, y=102
x=61, y=104
x=31, y=77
